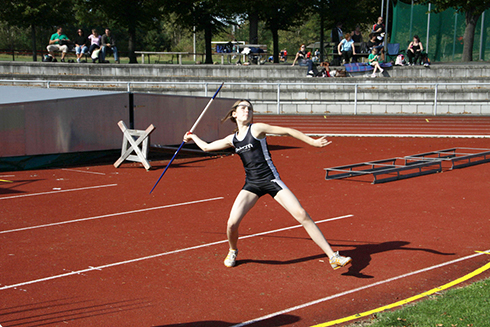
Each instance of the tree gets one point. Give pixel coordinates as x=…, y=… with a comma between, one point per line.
x=282, y=15
x=130, y=15
x=210, y=16
x=36, y=13
x=472, y=11
x=332, y=11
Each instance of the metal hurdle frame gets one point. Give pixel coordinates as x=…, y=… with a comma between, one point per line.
x=411, y=166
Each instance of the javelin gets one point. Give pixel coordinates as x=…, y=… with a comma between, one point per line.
x=190, y=131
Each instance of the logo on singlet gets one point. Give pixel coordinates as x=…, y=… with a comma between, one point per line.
x=244, y=148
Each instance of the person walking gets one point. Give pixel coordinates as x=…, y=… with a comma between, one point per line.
x=262, y=177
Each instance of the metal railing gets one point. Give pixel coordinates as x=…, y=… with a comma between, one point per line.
x=130, y=86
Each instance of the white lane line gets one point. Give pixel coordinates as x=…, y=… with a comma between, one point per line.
x=84, y=171
x=57, y=191
x=108, y=215
x=98, y=268
x=398, y=135
x=308, y=304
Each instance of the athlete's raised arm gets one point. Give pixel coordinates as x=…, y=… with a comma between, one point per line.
x=217, y=145
x=259, y=130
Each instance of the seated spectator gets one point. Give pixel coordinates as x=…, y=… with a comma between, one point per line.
x=374, y=61
x=94, y=45
x=81, y=47
x=374, y=42
x=283, y=55
x=414, y=51
x=346, y=48
x=316, y=56
x=58, y=42
x=108, y=42
x=303, y=60
x=300, y=56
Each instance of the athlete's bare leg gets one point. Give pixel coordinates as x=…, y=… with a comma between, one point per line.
x=243, y=203
x=289, y=201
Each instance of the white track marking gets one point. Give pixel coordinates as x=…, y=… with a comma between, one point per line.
x=302, y=306
x=83, y=171
x=108, y=215
x=58, y=191
x=98, y=268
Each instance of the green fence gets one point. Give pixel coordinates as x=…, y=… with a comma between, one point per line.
x=444, y=31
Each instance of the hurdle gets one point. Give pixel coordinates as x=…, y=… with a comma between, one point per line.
x=411, y=166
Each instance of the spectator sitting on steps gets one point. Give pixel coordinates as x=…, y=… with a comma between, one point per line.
x=80, y=45
x=303, y=60
x=108, y=42
x=94, y=45
x=58, y=42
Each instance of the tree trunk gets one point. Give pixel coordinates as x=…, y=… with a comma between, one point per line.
x=322, y=32
x=208, y=36
x=33, y=38
x=275, y=44
x=253, y=35
x=469, y=35
x=132, y=44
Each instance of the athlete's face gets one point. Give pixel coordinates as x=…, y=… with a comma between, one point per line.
x=243, y=112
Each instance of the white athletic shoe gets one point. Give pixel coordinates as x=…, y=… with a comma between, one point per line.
x=230, y=260
x=338, y=261
x=373, y=75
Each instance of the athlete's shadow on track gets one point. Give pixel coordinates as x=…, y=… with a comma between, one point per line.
x=9, y=188
x=361, y=255
x=280, y=320
x=277, y=262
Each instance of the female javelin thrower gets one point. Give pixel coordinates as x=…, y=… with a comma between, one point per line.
x=262, y=178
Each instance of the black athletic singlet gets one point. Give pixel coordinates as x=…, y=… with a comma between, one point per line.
x=261, y=175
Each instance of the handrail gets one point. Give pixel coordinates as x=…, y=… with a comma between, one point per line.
x=356, y=86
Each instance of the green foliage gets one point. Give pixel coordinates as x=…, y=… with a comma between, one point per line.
x=464, y=6
x=41, y=13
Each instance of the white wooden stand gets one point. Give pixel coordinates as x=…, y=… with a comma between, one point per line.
x=128, y=137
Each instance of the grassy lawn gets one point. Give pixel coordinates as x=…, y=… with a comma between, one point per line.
x=467, y=306
x=28, y=58
x=186, y=60
x=164, y=59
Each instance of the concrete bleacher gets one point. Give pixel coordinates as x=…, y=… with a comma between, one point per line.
x=461, y=88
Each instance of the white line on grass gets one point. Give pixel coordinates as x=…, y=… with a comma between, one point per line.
x=91, y=268
x=57, y=191
x=108, y=215
x=308, y=304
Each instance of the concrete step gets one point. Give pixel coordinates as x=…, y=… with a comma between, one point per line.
x=461, y=89
x=268, y=71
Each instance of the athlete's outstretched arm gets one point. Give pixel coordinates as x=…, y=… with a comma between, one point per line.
x=261, y=129
x=217, y=145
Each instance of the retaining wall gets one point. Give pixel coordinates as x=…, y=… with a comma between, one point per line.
x=440, y=89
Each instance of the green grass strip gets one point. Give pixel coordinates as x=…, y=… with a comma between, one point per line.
x=401, y=321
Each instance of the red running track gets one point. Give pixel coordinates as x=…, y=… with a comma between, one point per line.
x=441, y=126
x=88, y=246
